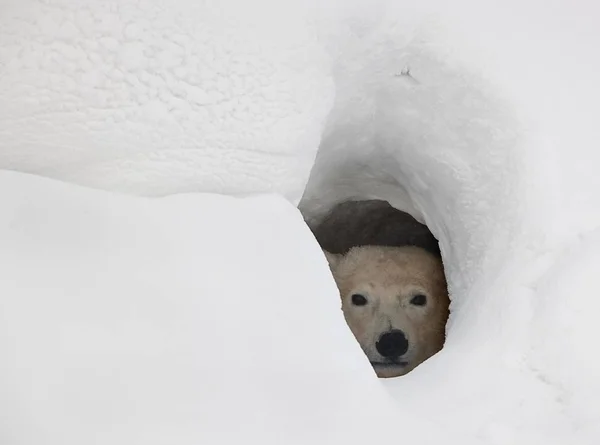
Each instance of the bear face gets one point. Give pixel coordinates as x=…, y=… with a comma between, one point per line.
x=395, y=301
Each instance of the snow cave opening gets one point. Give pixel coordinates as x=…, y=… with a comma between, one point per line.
x=407, y=317
x=436, y=145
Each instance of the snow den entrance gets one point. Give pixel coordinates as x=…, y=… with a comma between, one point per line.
x=389, y=272
x=427, y=138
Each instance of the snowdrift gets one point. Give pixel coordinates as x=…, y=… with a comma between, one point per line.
x=121, y=322
x=118, y=312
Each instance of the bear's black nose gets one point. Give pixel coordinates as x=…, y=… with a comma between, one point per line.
x=392, y=344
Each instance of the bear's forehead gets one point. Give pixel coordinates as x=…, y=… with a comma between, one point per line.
x=391, y=273
x=392, y=280
x=393, y=268
x=391, y=257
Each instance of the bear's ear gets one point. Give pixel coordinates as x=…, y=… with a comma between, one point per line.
x=333, y=259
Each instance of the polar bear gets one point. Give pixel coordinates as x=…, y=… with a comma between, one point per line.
x=390, y=275
x=395, y=301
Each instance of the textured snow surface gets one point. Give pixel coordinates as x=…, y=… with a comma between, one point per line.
x=158, y=97
x=479, y=117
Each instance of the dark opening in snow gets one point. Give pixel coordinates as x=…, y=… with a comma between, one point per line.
x=394, y=299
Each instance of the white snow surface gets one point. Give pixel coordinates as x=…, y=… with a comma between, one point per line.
x=121, y=322
x=160, y=97
x=118, y=312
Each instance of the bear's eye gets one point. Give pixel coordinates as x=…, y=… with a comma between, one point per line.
x=419, y=300
x=359, y=300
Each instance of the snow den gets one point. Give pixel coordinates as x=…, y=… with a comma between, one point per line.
x=158, y=283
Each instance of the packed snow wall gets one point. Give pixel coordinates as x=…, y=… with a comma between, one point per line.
x=466, y=118
x=477, y=117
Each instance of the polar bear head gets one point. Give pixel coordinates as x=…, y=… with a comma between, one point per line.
x=395, y=301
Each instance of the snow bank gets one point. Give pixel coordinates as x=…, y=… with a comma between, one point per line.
x=478, y=117
x=472, y=119
x=138, y=321
x=160, y=97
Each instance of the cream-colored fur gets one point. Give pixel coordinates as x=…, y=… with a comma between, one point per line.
x=389, y=278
